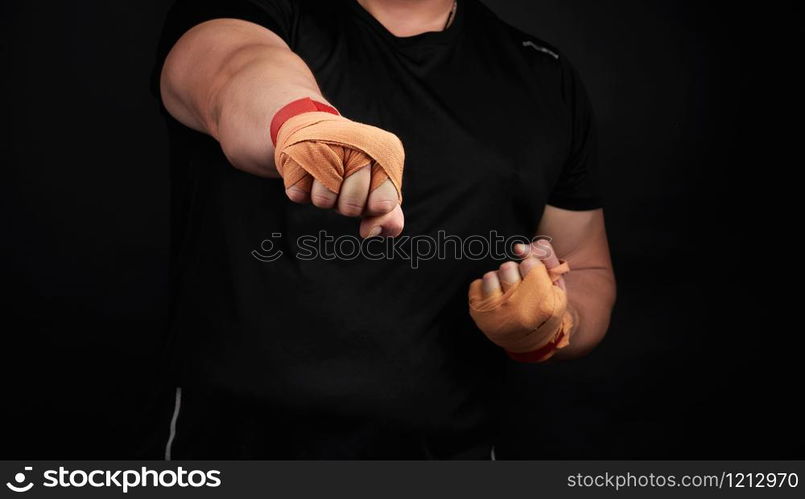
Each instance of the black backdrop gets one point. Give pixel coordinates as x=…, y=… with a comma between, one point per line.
x=698, y=109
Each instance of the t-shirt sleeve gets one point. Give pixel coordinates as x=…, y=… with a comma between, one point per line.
x=578, y=187
x=276, y=15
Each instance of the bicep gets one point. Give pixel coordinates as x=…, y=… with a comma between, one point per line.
x=196, y=31
x=215, y=40
x=197, y=60
x=577, y=236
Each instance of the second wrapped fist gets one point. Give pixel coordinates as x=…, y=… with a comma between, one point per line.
x=530, y=320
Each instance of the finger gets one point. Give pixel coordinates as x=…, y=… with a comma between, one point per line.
x=300, y=191
x=321, y=196
x=527, y=265
x=297, y=195
x=549, y=258
x=354, y=191
x=544, y=251
x=490, y=285
x=522, y=250
x=389, y=225
x=509, y=275
x=383, y=199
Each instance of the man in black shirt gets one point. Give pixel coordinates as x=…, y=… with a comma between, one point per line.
x=285, y=347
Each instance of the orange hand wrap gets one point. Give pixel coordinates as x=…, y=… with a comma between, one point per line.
x=330, y=148
x=530, y=320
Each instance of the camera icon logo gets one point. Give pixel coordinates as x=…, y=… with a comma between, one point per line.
x=19, y=478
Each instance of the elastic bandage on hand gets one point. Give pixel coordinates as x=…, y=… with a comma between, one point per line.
x=329, y=148
x=530, y=320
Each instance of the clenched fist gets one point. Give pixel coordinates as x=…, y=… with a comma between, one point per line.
x=334, y=162
x=523, y=307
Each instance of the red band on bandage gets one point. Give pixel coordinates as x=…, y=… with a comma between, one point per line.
x=304, y=105
x=539, y=354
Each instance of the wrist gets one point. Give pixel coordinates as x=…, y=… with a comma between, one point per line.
x=560, y=340
x=570, y=350
x=295, y=108
x=241, y=123
x=557, y=342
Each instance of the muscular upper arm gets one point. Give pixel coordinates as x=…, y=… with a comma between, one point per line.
x=200, y=61
x=577, y=236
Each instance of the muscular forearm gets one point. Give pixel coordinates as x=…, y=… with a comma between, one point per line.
x=590, y=295
x=227, y=78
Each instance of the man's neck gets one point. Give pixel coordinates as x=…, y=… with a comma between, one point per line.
x=409, y=17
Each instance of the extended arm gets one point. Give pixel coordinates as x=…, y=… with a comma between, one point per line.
x=228, y=78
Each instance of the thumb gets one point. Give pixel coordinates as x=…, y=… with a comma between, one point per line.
x=387, y=225
x=543, y=250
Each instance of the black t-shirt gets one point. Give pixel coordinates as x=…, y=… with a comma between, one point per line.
x=495, y=124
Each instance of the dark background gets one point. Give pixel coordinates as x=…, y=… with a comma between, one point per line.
x=699, y=111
